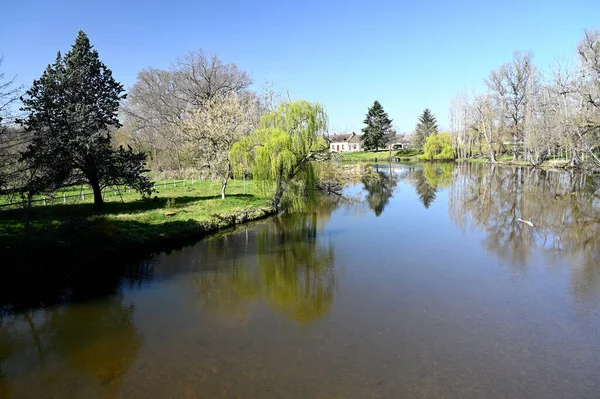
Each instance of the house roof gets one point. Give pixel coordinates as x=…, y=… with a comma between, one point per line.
x=345, y=138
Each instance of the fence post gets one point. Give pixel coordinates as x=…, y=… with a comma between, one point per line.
x=82, y=196
x=44, y=201
x=64, y=198
x=184, y=183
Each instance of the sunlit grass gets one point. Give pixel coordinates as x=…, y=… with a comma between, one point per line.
x=172, y=211
x=383, y=155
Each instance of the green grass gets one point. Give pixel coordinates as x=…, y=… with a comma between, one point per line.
x=172, y=214
x=382, y=155
x=109, y=194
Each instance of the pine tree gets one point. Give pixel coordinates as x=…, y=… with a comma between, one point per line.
x=70, y=112
x=426, y=127
x=378, y=132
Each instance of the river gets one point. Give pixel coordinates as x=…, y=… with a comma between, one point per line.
x=420, y=284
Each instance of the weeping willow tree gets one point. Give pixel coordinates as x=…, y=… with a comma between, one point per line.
x=282, y=153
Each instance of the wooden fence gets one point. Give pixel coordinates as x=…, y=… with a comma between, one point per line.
x=57, y=198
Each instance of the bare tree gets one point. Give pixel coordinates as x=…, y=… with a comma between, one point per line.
x=154, y=113
x=510, y=85
x=201, y=78
x=589, y=57
x=484, y=122
x=213, y=128
x=161, y=101
x=11, y=139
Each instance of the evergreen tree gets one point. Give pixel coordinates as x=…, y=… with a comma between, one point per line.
x=71, y=111
x=378, y=132
x=426, y=127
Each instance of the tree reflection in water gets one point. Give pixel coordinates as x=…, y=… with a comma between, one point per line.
x=564, y=208
x=379, y=187
x=428, y=178
x=291, y=269
x=98, y=339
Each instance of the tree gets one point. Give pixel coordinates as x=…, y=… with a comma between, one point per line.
x=380, y=188
x=282, y=152
x=484, y=122
x=512, y=84
x=213, y=128
x=438, y=147
x=427, y=126
x=589, y=57
x=71, y=111
x=10, y=140
x=378, y=132
x=161, y=100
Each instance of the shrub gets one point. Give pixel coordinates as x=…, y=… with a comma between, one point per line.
x=438, y=147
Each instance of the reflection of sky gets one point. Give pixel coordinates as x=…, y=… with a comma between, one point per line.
x=420, y=309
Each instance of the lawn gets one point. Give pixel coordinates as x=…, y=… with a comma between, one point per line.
x=382, y=155
x=173, y=213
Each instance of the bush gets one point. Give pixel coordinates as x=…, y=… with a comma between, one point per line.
x=407, y=152
x=438, y=147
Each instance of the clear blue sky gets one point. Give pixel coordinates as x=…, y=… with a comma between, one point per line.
x=343, y=54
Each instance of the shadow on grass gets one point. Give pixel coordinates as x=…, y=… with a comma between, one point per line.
x=62, y=211
x=87, y=256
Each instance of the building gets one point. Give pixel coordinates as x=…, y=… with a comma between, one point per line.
x=345, y=142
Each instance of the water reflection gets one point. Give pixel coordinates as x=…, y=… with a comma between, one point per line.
x=292, y=269
x=98, y=340
x=428, y=179
x=563, y=207
x=379, y=188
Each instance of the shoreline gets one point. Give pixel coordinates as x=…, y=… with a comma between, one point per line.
x=547, y=165
x=108, y=238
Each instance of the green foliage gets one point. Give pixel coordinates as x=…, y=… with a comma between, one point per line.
x=429, y=178
x=281, y=152
x=438, y=147
x=407, y=152
x=378, y=131
x=426, y=127
x=70, y=111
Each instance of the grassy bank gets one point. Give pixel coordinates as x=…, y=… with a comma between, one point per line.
x=379, y=156
x=174, y=215
x=509, y=160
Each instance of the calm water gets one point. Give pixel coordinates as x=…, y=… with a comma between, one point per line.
x=428, y=287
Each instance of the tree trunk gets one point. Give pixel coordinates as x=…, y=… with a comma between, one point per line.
x=278, y=192
x=225, y=180
x=98, y=200
x=223, y=187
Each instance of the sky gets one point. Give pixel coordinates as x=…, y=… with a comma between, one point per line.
x=408, y=55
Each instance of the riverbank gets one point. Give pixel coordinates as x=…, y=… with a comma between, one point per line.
x=381, y=156
x=412, y=156
x=551, y=164
x=173, y=217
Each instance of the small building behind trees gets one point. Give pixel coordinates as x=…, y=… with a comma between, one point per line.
x=351, y=142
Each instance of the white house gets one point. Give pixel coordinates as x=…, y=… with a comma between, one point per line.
x=345, y=142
